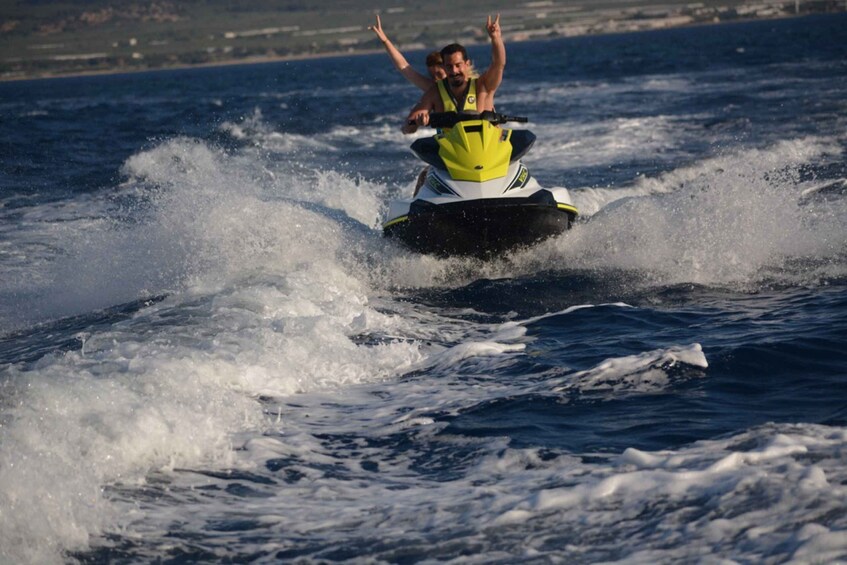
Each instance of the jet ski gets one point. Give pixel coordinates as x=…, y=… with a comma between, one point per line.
x=478, y=198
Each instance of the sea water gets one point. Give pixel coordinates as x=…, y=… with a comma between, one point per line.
x=208, y=352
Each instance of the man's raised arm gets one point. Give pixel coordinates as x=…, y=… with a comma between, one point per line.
x=493, y=75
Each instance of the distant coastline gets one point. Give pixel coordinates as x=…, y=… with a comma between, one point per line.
x=357, y=40
x=258, y=60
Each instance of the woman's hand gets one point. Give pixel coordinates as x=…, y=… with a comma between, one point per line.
x=377, y=29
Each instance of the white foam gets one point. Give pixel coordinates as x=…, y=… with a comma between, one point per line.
x=732, y=220
x=732, y=498
x=644, y=372
x=271, y=282
x=700, y=499
x=464, y=351
x=605, y=142
x=171, y=388
x=260, y=134
x=260, y=304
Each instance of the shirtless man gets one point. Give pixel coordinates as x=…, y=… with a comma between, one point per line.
x=459, y=92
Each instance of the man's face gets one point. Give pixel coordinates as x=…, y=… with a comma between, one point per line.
x=456, y=68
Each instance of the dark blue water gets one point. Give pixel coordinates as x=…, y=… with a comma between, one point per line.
x=209, y=353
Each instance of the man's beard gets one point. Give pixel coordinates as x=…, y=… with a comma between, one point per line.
x=457, y=80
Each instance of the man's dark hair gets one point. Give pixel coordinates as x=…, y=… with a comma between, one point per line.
x=454, y=48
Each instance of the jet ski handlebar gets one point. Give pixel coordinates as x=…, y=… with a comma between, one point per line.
x=450, y=119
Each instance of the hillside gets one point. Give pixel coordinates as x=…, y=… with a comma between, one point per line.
x=43, y=38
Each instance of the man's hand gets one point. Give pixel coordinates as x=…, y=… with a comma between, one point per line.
x=492, y=27
x=490, y=80
x=421, y=117
x=415, y=120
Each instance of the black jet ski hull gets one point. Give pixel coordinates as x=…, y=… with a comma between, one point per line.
x=480, y=228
